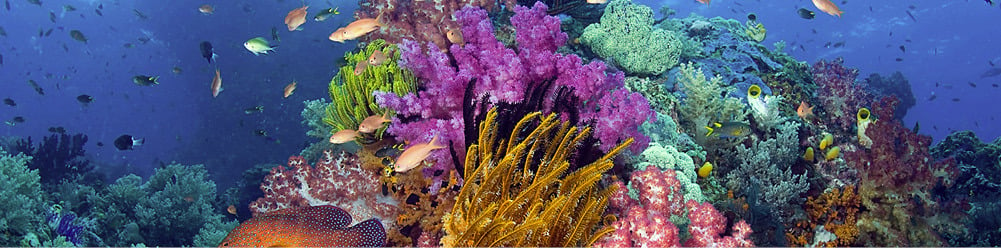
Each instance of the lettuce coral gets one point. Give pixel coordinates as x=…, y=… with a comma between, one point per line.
x=626, y=36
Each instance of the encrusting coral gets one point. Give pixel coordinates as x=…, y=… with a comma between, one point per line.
x=519, y=192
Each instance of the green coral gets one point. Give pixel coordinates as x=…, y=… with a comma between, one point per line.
x=20, y=189
x=352, y=94
x=755, y=30
x=171, y=209
x=626, y=36
x=705, y=102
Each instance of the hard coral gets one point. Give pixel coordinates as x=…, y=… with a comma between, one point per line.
x=336, y=180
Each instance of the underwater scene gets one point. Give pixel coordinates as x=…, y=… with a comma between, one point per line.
x=477, y=123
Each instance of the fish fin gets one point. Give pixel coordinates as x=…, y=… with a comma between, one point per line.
x=138, y=141
x=378, y=18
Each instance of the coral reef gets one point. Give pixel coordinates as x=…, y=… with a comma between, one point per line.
x=519, y=191
x=490, y=71
x=644, y=220
x=898, y=174
x=831, y=222
x=57, y=158
x=977, y=188
x=337, y=179
x=703, y=102
x=173, y=208
x=626, y=36
x=839, y=94
x=897, y=85
x=767, y=165
x=351, y=91
x=20, y=188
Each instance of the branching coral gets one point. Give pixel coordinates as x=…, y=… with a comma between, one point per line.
x=703, y=102
x=519, y=192
x=57, y=158
x=767, y=165
x=20, y=189
x=352, y=93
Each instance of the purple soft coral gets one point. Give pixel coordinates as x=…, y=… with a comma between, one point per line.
x=505, y=75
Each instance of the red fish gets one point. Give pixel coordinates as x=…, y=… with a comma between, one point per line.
x=313, y=226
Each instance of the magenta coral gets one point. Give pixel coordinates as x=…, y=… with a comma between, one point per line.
x=504, y=75
x=898, y=158
x=336, y=180
x=838, y=92
x=646, y=222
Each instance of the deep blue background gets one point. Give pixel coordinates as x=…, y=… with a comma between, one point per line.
x=951, y=44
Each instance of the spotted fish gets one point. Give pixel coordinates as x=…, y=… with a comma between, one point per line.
x=313, y=226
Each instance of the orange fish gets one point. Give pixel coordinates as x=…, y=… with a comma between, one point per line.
x=377, y=58
x=295, y=18
x=343, y=136
x=356, y=29
x=597, y=1
x=206, y=9
x=454, y=35
x=313, y=226
x=360, y=67
x=704, y=1
x=413, y=156
x=216, y=84
x=804, y=111
x=231, y=209
x=373, y=122
x=828, y=7
x=289, y=89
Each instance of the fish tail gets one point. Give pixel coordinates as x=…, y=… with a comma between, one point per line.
x=710, y=131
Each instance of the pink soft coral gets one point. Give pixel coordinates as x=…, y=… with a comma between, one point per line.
x=336, y=180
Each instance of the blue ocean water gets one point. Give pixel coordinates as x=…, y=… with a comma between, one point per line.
x=947, y=46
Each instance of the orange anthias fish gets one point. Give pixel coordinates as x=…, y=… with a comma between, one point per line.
x=377, y=58
x=289, y=89
x=295, y=18
x=343, y=136
x=828, y=7
x=454, y=35
x=371, y=123
x=804, y=111
x=231, y=209
x=216, y=84
x=413, y=156
x=360, y=67
x=704, y=1
x=597, y=1
x=313, y=226
x=356, y=29
x=206, y=9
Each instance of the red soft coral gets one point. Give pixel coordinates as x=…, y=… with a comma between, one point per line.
x=336, y=180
